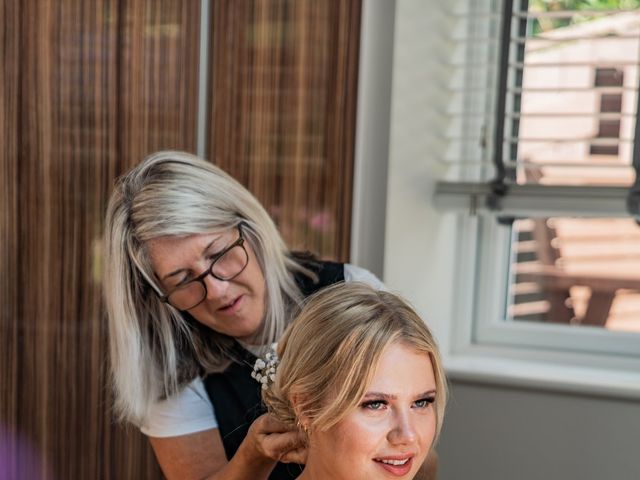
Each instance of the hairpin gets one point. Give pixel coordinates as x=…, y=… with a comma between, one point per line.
x=264, y=370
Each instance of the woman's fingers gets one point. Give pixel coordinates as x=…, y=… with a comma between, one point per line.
x=276, y=441
x=298, y=455
x=278, y=445
x=267, y=424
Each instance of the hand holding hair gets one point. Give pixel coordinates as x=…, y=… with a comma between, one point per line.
x=271, y=438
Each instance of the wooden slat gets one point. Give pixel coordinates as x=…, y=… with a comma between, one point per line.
x=89, y=89
x=555, y=279
x=282, y=112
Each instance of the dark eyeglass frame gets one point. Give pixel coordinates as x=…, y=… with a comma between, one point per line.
x=209, y=271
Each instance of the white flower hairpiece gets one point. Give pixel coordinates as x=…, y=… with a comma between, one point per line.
x=264, y=370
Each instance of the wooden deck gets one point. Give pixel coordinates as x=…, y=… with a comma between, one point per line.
x=578, y=271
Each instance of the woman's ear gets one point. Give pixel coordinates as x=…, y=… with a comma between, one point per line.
x=302, y=420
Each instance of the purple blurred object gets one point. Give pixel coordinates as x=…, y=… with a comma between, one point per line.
x=19, y=460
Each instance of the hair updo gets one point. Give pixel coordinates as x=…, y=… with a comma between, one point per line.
x=329, y=354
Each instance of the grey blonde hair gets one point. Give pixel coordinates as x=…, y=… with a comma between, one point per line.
x=329, y=354
x=154, y=348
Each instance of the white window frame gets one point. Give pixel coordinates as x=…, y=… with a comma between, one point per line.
x=482, y=346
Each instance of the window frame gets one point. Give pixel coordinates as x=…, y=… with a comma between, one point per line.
x=492, y=325
x=482, y=345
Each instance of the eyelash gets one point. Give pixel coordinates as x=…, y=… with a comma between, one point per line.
x=421, y=403
x=369, y=404
x=425, y=401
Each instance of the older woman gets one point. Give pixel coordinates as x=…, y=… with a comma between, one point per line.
x=198, y=279
x=361, y=376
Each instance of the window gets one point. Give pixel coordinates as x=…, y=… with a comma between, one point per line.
x=542, y=162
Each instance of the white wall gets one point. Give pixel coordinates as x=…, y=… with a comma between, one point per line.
x=372, y=135
x=513, y=434
x=419, y=240
x=491, y=432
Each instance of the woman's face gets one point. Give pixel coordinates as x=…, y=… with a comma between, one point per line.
x=390, y=433
x=235, y=307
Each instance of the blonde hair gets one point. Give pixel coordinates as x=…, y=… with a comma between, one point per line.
x=156, y=349
x=334, y=346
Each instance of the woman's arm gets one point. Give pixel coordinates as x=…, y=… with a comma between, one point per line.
x=191, y=456
x=201, y=455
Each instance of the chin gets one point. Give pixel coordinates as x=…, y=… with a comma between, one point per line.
x=252, y=337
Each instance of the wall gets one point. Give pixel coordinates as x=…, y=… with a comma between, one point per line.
x=501, y=433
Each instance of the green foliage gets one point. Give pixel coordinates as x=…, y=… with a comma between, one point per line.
x=541, y=25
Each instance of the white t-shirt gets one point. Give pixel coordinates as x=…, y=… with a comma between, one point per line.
x=191, y=411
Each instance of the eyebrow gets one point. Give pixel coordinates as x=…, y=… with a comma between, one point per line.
x=182, y=269
x=386, y=396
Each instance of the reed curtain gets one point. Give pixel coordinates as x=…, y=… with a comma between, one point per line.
x=87, y=89
x=283, y=112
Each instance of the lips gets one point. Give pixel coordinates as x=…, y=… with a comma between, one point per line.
x=231, y=306
x=396, y=465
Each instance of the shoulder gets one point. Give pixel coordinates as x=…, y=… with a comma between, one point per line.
x=188, y=411
x=353, y=273
x=315, y=274
x=328, y=272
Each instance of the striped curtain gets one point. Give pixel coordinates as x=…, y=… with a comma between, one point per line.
x=282, y=118
x=87, y=89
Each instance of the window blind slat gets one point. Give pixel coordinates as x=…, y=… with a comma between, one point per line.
x=559, y=90
x=570, y=115
x=598, y=141
x=569, y=13
x=600, y=64
x=541, y=39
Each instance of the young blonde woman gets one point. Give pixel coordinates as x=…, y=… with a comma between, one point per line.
x=360, y=375
x=197, y=280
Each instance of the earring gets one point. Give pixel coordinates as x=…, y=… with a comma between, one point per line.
x=303, y=427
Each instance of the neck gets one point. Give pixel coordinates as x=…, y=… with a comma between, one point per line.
x=315, y=469
x=308, y=474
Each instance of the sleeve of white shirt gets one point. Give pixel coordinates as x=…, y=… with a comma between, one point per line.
x=353, y=273
x=188, y=411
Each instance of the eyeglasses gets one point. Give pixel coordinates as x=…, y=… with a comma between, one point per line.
x=225, y=266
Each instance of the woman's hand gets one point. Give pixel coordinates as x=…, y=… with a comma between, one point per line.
x=201, y=455
x=268, y=441
x=273, y=440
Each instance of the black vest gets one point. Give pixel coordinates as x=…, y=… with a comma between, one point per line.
x=236, y=397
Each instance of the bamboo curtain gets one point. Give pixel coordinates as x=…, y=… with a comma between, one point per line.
x=87, y=89
x=284, y=81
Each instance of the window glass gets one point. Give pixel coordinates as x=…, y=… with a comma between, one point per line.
x=576, y=271
x=574, y=77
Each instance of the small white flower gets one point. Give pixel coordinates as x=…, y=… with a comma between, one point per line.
x=264, y=371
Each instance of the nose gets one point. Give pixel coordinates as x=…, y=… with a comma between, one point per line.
x=402, y=431
x=215, y=288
